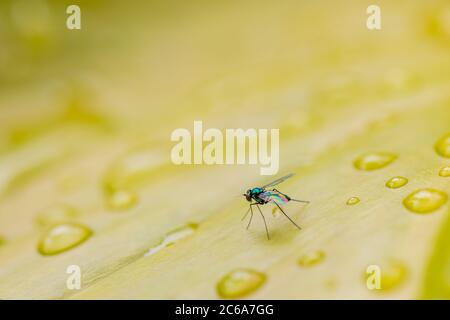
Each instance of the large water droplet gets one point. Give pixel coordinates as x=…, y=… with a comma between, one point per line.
x=425, y=200
x=439, y=23
x=240, y=283
x=121, y=200
x=374, y=160
x=311, y=259
x=172, y=237
x=442, y=146
x=396, y=182
x=352, y=201
x=63, y=237
x=56, y=215
x=445, y=172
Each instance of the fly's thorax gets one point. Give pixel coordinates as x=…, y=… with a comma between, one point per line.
x=256, y=191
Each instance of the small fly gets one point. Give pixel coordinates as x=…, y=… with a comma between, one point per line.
x=260, y=196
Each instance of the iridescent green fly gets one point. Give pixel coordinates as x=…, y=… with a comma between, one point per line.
x=261, y=196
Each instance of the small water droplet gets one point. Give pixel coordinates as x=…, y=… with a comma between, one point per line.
x=311, y=259
x=425, y=200
x=374, y=160
x=442, y=146
x=63, y=237
x=396, y=182
x=275, y=212
x=172, y=237
x=121, y=200
x=445, y=172
x=352, y=201
x=240, y=283
x=331, y=284
x=56, y=214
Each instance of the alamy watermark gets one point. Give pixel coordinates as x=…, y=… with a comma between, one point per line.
x=235, y=146
x=73, y=21
x=373, y=280
x=373, y=21
x=73, y=281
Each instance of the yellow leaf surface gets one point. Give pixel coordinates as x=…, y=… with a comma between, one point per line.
x=85, y=141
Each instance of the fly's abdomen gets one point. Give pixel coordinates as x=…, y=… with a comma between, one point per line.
x=278, y=198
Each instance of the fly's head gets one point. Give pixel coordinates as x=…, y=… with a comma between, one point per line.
x=248, y=195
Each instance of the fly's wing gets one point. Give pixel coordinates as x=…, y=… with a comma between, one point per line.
x=275, y=197
x=274, y=183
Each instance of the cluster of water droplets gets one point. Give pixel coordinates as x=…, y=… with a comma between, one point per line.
x=420, y=201
x=63, y=232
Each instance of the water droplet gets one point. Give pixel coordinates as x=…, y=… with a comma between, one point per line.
x=396, y=182
x=121, y=200
x=275, y=212
x=442, y=146
x=439, y=23
x=425, y=200
x=63, y=237
x=352, y=201
x=172, y=237
x=240, y=283
x=374, y=160
x=311, y=259
x=133, y=169
x=392, y=275
x=445, y=172
x=2, y=241
x=331, y=284
x=56, y=215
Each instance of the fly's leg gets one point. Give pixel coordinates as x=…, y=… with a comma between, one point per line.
x=289, y=198
x=265, y=224
x=245, y=215
x=288, y=216
x=251, y=215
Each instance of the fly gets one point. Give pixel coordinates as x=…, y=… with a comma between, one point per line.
x=262, y=195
